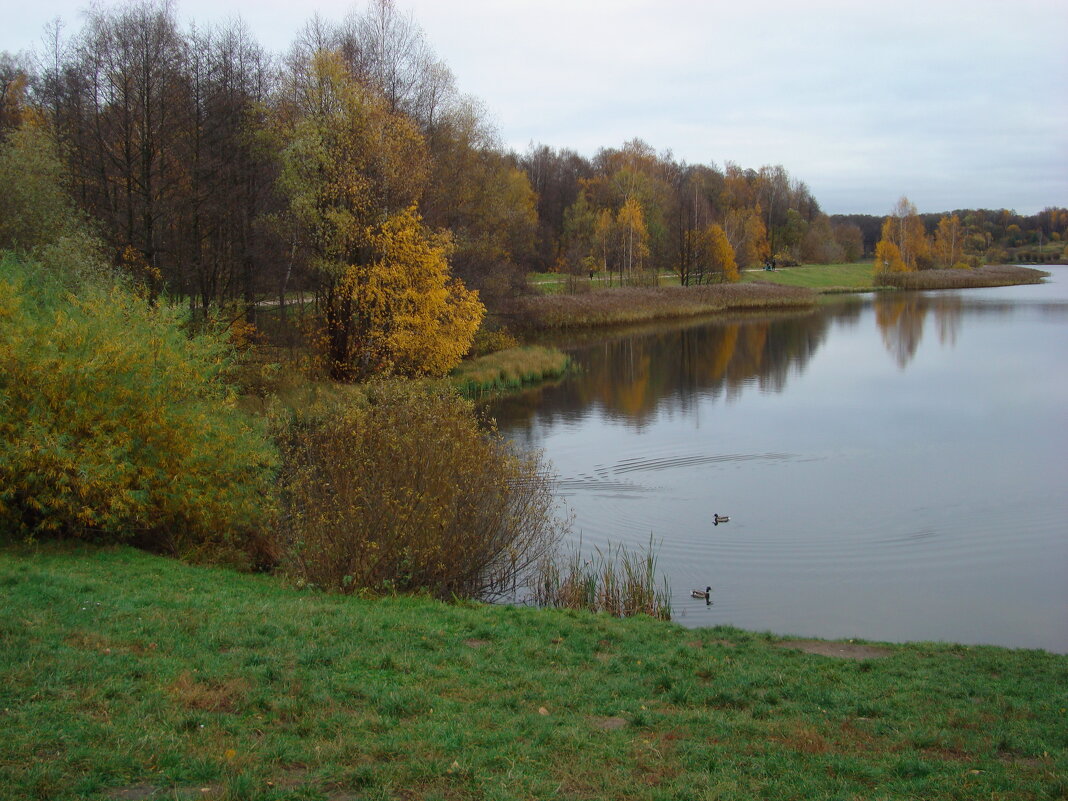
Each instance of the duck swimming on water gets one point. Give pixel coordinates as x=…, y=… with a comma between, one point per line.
x=704, y=596
x=720, y=519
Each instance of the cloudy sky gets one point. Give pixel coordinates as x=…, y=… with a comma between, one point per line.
x=954, y=103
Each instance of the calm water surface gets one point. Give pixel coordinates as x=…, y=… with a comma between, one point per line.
x=894, y=467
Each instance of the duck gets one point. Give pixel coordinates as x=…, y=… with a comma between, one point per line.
x=704, y=595
x=717, y=519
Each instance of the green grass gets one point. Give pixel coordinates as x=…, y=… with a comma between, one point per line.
x=509, y=369
x=123, y=674
x=853, y=277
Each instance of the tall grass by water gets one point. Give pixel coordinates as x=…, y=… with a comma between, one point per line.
x=993, y=275
x=509, y=369
x=630, y=305
x=618, y=580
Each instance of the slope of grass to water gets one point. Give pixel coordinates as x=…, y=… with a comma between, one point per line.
x=124, y=675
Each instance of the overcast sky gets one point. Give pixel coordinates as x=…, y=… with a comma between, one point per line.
x=954, y=103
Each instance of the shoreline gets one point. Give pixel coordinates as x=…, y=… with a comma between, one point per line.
x=599, y=308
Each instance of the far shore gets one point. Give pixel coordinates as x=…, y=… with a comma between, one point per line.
x=793, y=288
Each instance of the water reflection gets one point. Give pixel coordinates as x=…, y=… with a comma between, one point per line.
x=631, y=376
x=901, y=318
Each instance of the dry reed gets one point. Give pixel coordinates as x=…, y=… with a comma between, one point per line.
x=630, y=304
x=509, y=369
x=616, y=580
x=988, y=276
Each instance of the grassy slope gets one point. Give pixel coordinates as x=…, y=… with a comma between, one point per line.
x=121, y=672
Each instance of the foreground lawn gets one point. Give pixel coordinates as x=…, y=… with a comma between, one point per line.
x=127, y=676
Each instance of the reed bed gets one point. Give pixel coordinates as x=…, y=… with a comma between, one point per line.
x=617, y=580
x=989, y=276
x=509, y=369
x=632, y=305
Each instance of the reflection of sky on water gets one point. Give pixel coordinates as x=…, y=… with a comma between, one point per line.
x=891, y=472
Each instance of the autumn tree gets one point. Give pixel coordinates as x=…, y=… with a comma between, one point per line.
x=633, y=238
x=903, y=246
x=948, y=243
x=555, y=176
x=716, y=255
x=484, y=199
x=747, y=235
x=819, y=245
x=697, y=193
x=850, y=239
x=351, y=171
x=401, y=309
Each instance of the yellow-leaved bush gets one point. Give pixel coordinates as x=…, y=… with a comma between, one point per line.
x=406, y=491
x=115, y=424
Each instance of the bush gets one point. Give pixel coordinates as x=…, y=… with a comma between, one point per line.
x=35, y=211
x=404, y=491
x=114, y=424
x=490, y=341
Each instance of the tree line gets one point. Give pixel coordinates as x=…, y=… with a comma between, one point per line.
x=990, y=235
x=224, y=174
x=184, y=144
x=909, y=241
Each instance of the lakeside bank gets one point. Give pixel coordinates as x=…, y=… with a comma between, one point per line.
x=127, y=675
x=783, y=289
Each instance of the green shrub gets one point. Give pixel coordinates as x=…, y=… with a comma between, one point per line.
x=35, y=210
x=114, y=423
x=405, y=491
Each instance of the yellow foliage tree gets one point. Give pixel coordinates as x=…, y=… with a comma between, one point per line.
x=903, y=246
x=351, y=171
x=404, y=312
x=748, y=235
x=720, y=253
x=633, y=236
x=888, y=258
x=949, y=243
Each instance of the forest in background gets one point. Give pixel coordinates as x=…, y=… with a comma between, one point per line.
x=187, y=147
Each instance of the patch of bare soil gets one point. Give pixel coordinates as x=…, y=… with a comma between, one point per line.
x=138, y=792
x=837, y=650
x=143, y=792
x=609, y=724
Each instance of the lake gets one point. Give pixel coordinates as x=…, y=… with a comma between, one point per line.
x=895, y=467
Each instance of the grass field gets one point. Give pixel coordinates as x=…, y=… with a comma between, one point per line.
x=128, y=676
x=853, y=277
